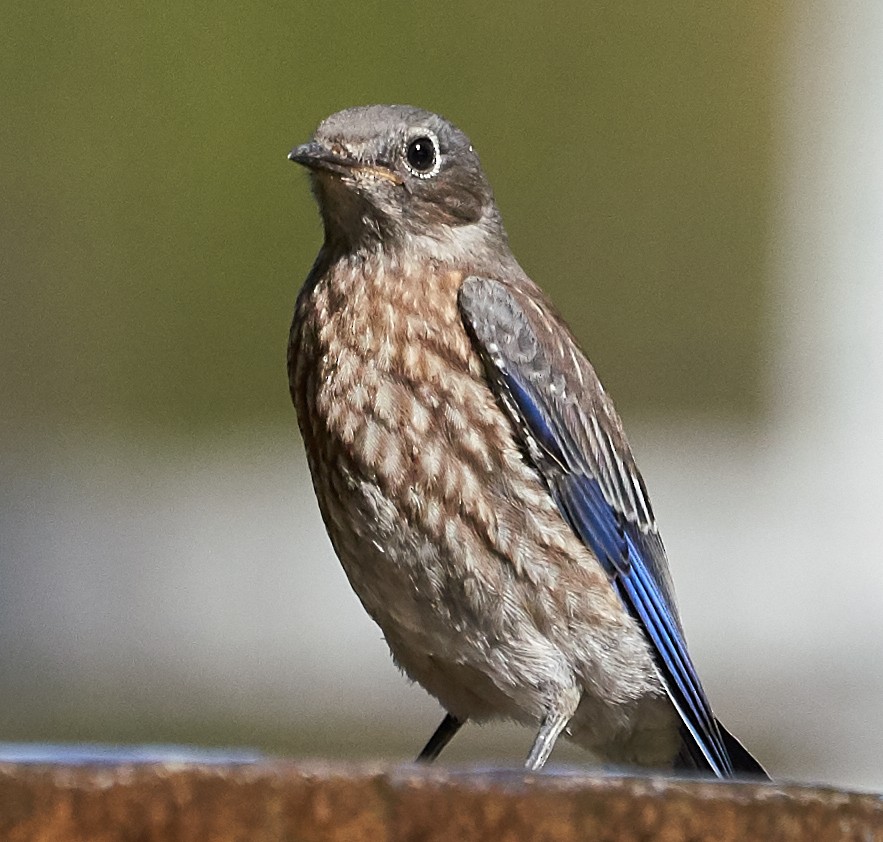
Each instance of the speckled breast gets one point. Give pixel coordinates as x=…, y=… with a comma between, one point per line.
x=415, y=466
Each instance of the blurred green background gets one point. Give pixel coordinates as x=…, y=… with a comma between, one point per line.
x=154, y=235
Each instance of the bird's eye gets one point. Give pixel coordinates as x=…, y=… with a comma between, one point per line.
x=421, y=156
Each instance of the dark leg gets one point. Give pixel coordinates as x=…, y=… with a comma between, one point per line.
x=442, y=736
x=551, y=726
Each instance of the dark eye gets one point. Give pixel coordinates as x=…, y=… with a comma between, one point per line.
x=421, y=156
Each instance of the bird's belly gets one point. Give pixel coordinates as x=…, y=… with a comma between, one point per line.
x=485, y=642
x=459, y=631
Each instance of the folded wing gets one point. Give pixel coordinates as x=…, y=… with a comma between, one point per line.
x=573, y=436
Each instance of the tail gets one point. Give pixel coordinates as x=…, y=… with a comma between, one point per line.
x=742, y=762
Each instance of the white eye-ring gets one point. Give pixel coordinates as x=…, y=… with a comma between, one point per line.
x=421, y=154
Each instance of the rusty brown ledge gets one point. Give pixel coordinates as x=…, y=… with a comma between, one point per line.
x=272, y=801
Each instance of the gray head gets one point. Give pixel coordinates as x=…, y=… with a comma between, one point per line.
x=384, y=175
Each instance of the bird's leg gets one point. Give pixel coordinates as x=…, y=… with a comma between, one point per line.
x=551, y=726
x=440, y=738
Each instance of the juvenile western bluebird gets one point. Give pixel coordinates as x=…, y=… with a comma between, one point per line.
x=472, y=473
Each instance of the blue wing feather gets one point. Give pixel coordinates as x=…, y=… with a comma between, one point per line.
x=572, y=436
x=628, y=556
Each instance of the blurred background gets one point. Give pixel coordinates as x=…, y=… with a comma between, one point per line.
x=699, y=187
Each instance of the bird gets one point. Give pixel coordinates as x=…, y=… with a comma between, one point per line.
x=472, y=473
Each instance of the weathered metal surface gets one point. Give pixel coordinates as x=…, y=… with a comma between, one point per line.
x=274, y=801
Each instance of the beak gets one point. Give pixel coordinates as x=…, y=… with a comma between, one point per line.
x=316, y=156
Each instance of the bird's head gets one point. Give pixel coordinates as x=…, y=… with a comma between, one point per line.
x=390, y=174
